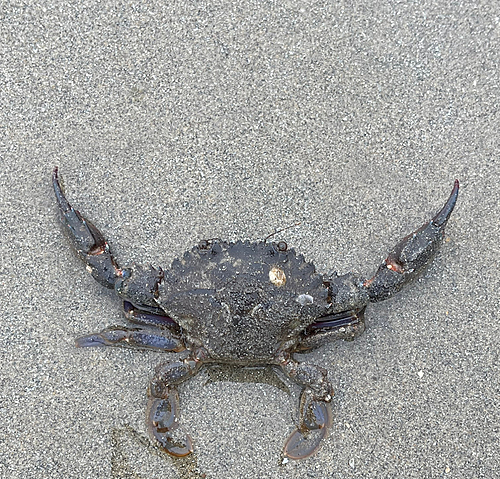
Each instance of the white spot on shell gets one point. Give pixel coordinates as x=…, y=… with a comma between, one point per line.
x=305, y=299
x=277, y=276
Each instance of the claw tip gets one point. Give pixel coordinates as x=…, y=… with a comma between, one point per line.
x=442, y=217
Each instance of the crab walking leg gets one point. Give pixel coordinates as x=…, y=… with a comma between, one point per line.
x=346, y=325
x=163, y=412
x=139, y=316
x=315, y=415
x=134, y=338
x=163, y=425
x=410, y=256
x=87, y=240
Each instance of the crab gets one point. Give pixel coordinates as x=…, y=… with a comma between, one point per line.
x=241, y=303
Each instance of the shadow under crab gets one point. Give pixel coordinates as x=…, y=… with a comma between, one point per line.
x=243, y=303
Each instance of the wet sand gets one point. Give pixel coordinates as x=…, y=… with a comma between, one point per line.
x=219, y=120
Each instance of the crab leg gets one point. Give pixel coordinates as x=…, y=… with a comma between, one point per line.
x=315, y=415
x=411, y=255
x=163, y=414
x=87, y=240
x=137, y=338
x=345, y=325
x=139, y=316
x=163, y=425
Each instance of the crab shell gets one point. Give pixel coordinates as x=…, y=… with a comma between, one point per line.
x=242, y=301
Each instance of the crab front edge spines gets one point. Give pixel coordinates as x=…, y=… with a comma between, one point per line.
x=411, y=255
x=88, y=242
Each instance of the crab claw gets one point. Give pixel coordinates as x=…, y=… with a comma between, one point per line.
x=315, y=421
x=164, y=427
x=87, y=240
x=411, y=255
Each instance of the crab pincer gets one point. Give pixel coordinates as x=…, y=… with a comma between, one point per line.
x=86, y=239
x=411, y=255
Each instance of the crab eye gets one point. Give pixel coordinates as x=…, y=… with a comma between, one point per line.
x=203, y=244
x=282, y=246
